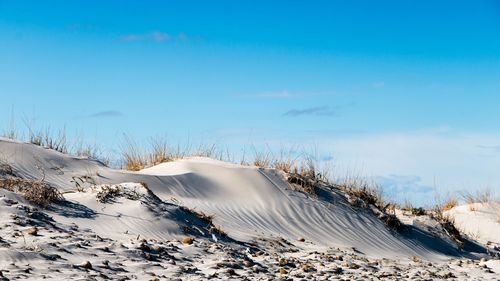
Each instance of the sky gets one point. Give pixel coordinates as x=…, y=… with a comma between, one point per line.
x=406, y=92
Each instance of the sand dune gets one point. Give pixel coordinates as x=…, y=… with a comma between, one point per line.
x=252, y=205
x=479, y=220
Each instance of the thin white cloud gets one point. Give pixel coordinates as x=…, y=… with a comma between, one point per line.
x=419, y=165
x=279, y=95
x=155, y=36
x=158, y=36
x=447, y=160
x=401, y=188
x=317, y=111
x=106, y=113
x=495, y=148
x=378, y=85
x=282, y=95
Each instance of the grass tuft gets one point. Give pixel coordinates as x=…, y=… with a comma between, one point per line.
x=46, y=138
x=135, y=159
x=160, y=152
x=206, y=219
x=449, y=204
x=480, y=196
x=108, y=193
x=37, y=192
x=262, y=159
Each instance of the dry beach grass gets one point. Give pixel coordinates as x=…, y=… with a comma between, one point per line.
x=283, y=216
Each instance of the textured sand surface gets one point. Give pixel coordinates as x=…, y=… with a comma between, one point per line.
x=137, y=233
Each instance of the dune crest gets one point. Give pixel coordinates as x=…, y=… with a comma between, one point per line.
x=207, y=201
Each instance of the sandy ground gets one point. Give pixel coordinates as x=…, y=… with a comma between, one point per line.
x=273, y=230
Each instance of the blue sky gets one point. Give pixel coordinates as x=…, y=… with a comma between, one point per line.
x=404, y=91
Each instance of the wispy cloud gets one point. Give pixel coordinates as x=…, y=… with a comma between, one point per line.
x=106, y=113
x=490, y=147
x=158, y=36
x=407, y=187
x=378, y=84
x=316, y=111
x=155, y=36
x=282, y=95
x=396, y=184
x=449, y=161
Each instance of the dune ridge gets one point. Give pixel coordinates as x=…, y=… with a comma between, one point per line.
x=251, y=205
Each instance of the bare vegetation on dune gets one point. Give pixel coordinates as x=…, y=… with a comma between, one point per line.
x=208, y=150
x=449, y=204
x=90, y=151
x=134, y=159
x=161, y=152
x=360, y=192
x=56, y=140
x=415, y=211
x=37, y=192
x=262, y=159
x=206, y=219
x=286, y=161
x=363, y=189
x=301, y=169
x=480, y=196
x=11, y=132
x=108, y=193
x=365, y=193
x=306, y=175
x=46, y=138
x=447, y=222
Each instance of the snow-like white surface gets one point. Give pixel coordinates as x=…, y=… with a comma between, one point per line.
x=248, y=203
x=480, y=221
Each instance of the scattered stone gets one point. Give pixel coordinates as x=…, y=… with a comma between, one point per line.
x=187, y=240
x=32, y=231
x=86, y=265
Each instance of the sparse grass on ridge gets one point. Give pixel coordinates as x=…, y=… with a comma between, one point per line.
x=46, y=138
x=302, y=169
x=206, y=219
x=449, y=204
x=56, y=140
x=263, y=158
x=480, y=196
x=133, y=157
x=161, y=152
x=136, y=158
x=89, y=151
x=38, y=192
x=35, y=191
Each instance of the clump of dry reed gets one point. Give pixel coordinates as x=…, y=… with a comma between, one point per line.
x=480, y=196
x=46, y=138
x=37, y=192
x=134, y=158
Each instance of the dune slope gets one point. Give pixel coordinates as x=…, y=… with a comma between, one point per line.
x=247, y=202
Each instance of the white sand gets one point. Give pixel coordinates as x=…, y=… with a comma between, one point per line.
x=480, y=221
x=251, y=205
